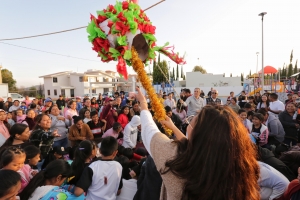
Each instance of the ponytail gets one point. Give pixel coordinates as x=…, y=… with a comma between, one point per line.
x=53, y=170
x=37, y=181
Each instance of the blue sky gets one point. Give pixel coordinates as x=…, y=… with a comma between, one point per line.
x=224, y=35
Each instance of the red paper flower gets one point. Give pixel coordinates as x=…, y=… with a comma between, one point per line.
x=125, y=5
x=121, y=17
x=121, y=67
x=147, y=28
x=112, y=9
x=122, y=28
x=101, y=19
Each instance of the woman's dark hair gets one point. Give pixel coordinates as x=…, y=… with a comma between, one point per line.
x=250, y=113
x=234, y=99
x=27, y=111
x=37, y=120
x=70, y=103
x=259, y=116
x=82, y=152
x=261, y=101
x=76, y=119
x=9, y=179
x=120, y=150
x=241, y=111
x=53, y=170
x=168, y=109
x=51, y=108
x=31, y=151
x=8, y=155
x=16, y=129
x=32, y=106
x=122, y=111
x=134, y=102
x=116, y=126
x=198, y=161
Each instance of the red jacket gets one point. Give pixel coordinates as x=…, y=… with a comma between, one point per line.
x=108, y=114
x=123, y=120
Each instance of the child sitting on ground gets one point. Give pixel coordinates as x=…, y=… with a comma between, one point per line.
x=259, y=131
x=102, y=179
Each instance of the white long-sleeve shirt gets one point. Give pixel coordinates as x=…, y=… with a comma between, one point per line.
x=170, y=102
x=131, y=132
x=272, y=183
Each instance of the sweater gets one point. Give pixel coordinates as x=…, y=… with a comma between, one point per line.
x=123, y=120
x=43, y=140
x=272, y=183
x=275, y=128
x=194, y=105
x=288, y=125
x=60, y=126
x=76, y=136
x=156, y=143
x=108, y=113
x=130, y=132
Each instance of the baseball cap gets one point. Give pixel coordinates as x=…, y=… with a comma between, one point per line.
x=48, y=100
x=108, y=99
x=59, y=150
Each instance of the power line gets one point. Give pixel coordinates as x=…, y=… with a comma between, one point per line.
x=67, y=30
x=57, y=54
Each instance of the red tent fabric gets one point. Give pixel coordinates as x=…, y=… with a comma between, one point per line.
x=269, y=70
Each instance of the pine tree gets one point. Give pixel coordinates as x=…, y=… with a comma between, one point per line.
x=230, y=74
x=173, y=75
x=291, y=57
x=290, y=70
x=181, y=71
x=177, y=73
x=250, y=73
x=296, y=67
x=183, y=77
x=242, y=78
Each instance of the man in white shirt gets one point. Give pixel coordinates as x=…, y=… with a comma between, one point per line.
x=194, y=103
x=276, y=106
x=170, y=101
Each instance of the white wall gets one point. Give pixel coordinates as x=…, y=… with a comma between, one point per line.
x=79, y=86
x=197, y=79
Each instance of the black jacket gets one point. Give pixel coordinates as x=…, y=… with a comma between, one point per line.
x=288, y=125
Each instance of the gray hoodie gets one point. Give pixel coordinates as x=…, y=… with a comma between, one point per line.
x=131, y=132
x=275, y=128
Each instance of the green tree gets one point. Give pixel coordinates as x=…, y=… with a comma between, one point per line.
x=159, y=77
x=291, y=57
x=177, y=73
x=250, y=73
x=199, y=69
x=32, y=91
x=230, y=74
x=181, y=74
x=7, y=77
x=242, y=78
x=173, y=74
x=183, y=77
x=290, y=70
x=296, y=67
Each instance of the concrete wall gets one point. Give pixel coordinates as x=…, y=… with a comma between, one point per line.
x=79, y=86
x=197, y=79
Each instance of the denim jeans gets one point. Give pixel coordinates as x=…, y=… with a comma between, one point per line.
x=61, y=143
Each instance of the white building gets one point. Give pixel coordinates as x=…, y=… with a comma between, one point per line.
x=197, y=79
x=71, y=84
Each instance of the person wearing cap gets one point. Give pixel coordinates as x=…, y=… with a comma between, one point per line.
x=15, y=106
x=78, y=104
x=108, y=113
x=60, y=102
x=47, y=104
x=55, y=154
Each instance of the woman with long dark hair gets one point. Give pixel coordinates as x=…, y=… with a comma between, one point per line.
x=10, y=184
x=47, y=183
x=124, y=116
x=83, y=156
x=218, y=160
x=19, y=135
x=264, y=102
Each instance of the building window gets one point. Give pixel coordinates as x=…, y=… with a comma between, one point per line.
x=72, y=92
x=55, y=92
x=54, y=79
x=48, y=91
x=63, y=92
x=83, y=79
x=94, y=90
x=105, y=89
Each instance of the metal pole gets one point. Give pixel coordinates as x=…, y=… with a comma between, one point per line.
x=262, y=54
x=255, y=78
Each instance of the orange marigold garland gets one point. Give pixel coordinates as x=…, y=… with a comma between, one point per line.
x=138, y=66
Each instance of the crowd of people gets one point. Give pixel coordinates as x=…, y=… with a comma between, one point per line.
x=113, y=148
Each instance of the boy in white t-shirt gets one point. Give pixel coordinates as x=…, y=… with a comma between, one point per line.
x=276, y=106
x=102, y=179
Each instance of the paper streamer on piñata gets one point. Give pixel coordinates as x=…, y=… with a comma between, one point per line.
x=117, y=28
